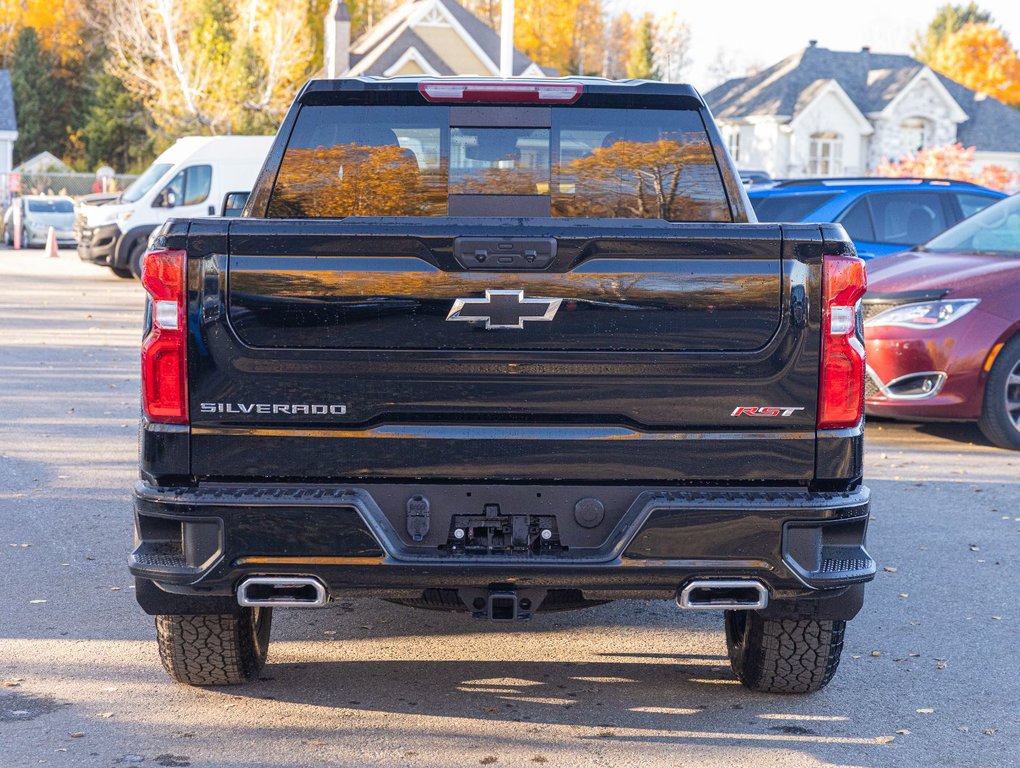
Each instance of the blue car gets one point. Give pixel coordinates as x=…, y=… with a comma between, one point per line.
x=882, y=216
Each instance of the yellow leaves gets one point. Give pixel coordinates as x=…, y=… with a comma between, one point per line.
x=980, y=56
x=566, y=34
x=57, y=23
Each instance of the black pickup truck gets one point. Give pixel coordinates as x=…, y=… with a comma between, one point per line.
x=502, y=347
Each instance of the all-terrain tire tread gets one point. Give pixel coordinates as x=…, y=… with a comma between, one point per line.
x=788, y=655
x=208, y=650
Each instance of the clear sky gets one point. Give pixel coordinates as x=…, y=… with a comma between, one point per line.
x=764, y=32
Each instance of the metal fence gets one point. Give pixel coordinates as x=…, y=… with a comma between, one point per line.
x=73, y=184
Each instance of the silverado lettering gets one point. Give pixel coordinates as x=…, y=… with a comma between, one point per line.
x=585, y=453
x=295, y=409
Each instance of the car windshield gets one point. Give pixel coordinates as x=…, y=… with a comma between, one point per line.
x=50, y=206
x=144, y=183
x=995, y=229
x=788, y=207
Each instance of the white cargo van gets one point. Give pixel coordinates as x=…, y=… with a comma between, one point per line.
x=192, y=178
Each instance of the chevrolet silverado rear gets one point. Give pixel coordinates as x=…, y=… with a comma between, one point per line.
x=502, y=347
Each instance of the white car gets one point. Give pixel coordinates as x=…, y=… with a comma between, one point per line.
x=36, y=214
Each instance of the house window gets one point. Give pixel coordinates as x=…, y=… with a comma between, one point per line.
x=915, y=134
x=825, y=155
x=733, y=143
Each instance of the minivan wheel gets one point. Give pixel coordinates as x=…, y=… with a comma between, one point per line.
x=783, y=655
x=126, y=274
x=1000, y=412
x=220, y=649
x=134, y=259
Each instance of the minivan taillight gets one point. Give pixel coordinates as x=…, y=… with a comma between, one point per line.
x=165, y=347
x=841, y=385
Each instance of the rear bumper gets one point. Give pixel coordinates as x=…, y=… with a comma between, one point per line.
x=199, y=543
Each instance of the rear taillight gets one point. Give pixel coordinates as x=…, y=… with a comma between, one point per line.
x=165, y=348
x=500, y=92
x=841, y=386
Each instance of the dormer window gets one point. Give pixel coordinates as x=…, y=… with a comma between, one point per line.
x=825, y=154
x=915, y=134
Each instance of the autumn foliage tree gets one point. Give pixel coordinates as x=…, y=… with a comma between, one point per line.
x=184, y=59
x=952, y=161
x=566, y=34
x=948, y=20
x=980, y=56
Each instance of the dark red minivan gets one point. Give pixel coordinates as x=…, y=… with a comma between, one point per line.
x=942, y=327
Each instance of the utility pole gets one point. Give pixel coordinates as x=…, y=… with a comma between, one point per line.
x=506, y=39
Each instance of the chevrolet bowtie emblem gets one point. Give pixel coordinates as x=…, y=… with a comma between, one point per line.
x=503, y=309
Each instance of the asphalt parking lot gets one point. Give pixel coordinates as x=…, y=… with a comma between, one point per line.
x=929, y=675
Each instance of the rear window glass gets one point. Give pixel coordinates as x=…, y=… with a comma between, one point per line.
x=789, y=208
x=584, y=163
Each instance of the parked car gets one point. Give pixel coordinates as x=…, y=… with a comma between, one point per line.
x=38, y=214
x=756, y=178
x=419, y=369
x=882, y=216
x=191, y=179
x=943, y=327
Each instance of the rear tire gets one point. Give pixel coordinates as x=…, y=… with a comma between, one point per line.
x=134, y=259
x=1000, y=411
x=220, y=649
x=783, y=655
x=123, y=273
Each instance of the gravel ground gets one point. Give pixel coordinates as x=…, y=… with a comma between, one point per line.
x=929, y=675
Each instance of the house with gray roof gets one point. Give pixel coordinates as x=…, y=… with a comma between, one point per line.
x=840, y=113
x=420, y=37
x=8, y=125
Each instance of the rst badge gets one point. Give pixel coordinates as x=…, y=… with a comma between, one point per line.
x=764, y=410
x=503, y=309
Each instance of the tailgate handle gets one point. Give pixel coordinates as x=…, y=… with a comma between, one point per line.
x=504, y=253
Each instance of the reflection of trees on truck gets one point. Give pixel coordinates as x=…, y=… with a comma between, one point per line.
x=669, y=178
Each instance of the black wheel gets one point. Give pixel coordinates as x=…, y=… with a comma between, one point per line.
x=222, y=649
x=1000, y=413
x=783, y=655
x=127, y=274
x=134, y=259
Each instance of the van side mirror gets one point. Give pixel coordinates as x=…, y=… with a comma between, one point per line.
x=233, y=203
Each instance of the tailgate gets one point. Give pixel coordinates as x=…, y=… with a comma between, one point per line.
x=491, y=349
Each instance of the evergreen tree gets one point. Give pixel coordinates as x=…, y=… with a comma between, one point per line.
x=641, y=64
x=115, y=129
x=40, y=99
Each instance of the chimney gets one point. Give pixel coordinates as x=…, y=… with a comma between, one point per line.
x=338, y=39
x=812, y=43
x=865, y=49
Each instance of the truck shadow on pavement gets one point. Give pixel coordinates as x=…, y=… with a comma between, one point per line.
x=653, y=698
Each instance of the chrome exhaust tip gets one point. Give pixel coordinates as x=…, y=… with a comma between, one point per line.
x=282, y=592
x=720, y=595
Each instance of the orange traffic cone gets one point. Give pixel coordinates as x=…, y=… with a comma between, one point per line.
x=51, y=244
